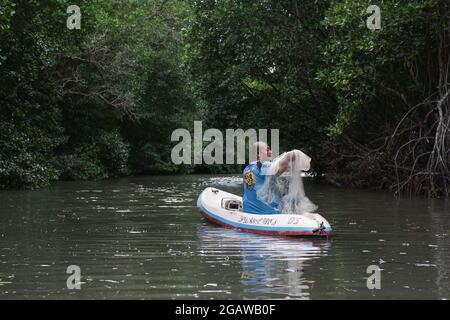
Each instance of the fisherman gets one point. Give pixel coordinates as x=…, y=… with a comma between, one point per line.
x=255, y=175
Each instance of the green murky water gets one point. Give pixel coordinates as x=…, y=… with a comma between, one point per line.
x=142, y=238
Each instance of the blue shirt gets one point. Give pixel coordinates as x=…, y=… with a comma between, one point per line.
x=254, y=178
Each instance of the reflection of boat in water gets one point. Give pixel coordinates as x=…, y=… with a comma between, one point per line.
x=269, y=267
x=225, y=209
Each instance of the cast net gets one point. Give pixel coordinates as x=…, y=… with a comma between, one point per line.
x=287, y=189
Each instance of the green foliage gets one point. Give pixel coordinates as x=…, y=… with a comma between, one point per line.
x=255, y=65
x=103, y=101
x=107, y=156
x=334, y=88
x=85, y=104
x=113, y=154
x=366, y=68
x=23, y=160
x=83, y=164
x=29, y=116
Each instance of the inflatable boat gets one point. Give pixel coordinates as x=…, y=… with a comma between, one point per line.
x=225, y=209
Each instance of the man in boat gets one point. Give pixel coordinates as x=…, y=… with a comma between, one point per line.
x=254, y=176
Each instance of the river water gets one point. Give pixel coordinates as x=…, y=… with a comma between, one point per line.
x=142, y=238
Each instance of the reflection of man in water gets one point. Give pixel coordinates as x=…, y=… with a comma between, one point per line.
x=269, y=267
x=276, y=267
x=254, y=176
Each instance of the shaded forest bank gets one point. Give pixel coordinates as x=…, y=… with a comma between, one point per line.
x=372, y=108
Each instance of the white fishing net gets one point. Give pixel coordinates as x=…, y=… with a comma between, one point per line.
x=287, y=188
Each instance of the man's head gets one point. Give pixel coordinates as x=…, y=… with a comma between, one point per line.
x=261, y=151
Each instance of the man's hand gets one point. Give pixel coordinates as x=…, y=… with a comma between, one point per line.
x=283, y=164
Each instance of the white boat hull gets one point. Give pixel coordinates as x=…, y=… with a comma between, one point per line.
x=210, y=203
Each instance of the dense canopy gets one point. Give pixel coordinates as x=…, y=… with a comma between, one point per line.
x=371, y=107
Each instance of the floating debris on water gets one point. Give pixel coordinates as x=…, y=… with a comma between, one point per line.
x=424, y=265
x=210, y=285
